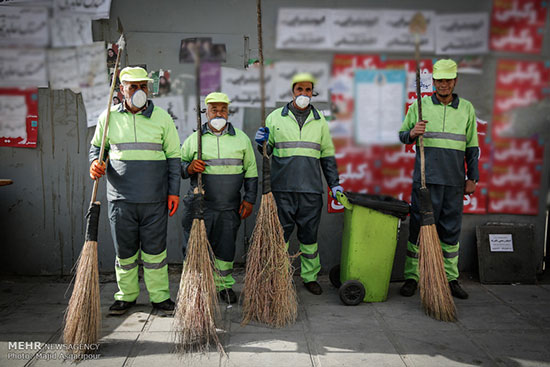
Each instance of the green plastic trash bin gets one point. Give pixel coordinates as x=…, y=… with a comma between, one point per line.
x=371, y=227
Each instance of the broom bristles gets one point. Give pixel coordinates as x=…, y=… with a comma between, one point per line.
x=435, y=294
x=197, y=303
x=83, y=314
x=269, y=294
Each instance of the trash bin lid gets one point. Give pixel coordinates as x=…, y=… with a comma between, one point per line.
x=383, y=203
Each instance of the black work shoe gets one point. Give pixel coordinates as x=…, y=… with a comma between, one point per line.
x=314, y=287
x=408, y=288
x=167, y=306
x=457, y=291
x=228, y=296
x=120, y=307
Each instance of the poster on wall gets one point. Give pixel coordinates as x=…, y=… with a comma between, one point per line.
x=356, y=29
x=285, y=70
x=97, y=9
x=63, y=68
x=71, y=30
x=23, y=26
x=18, y=117
x=242, y=86
x=396, y=36
x=517, y=25
x=23, y=68
x=462, y=34
x=299, y=28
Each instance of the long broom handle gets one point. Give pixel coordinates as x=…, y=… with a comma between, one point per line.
x=121, y=45
x=198, y=106
x=266, y=167
x=419, y=101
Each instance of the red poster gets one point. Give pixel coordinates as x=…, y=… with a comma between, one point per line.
x=18, y=117
x=517, y=26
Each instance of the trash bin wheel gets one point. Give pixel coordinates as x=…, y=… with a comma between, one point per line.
x=334, y=276
x=352, y=292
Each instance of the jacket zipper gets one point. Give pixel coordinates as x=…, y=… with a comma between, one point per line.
x=135, y=131
x=444, y=116
x=218, y=146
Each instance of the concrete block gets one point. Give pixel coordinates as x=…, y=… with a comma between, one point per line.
x=495, y=317
x=341, y=319
x=409, y=317
x=520, y=293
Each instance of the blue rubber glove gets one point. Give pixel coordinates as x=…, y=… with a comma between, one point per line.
x=336, y=189
x=262, y=135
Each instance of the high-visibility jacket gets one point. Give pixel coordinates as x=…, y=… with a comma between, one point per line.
x=297, y=152
x=144, y=154
x=450, y=140
x=229, y=164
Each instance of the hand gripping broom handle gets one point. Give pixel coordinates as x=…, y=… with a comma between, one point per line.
x=266, y=171
x=121, y=44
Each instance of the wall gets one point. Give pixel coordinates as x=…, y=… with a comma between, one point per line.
x=42, y=213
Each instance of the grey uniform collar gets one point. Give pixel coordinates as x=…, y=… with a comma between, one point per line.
x=454, y=103
x=147, y=112
x=230, y=129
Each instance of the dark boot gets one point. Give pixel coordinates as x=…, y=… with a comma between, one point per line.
x=166, y=306
x=314, y=287
x=228, y=296
x=457, y=291
x=408, y=288
x=120, y=307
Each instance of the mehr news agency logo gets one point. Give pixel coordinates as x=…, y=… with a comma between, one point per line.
x=28, y=350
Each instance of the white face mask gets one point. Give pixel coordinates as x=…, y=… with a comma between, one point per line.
x=139, y=99
x=218, y=123
x=302, y=101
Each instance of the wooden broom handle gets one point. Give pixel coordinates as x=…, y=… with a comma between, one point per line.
x=419, y=101
x=198, y=106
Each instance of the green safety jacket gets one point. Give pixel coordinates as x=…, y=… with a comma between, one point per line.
x=298, y=152
x=144, y=154
x=450, y=140
x=229, y=164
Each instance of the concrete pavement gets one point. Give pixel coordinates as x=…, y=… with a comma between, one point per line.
x=500, y=325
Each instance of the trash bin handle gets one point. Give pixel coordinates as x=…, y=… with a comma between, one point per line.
x=343, y=199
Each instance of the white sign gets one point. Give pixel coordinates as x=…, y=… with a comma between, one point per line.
x=175, y=108
x=23, y=68
x=23, y=26
x=501, y=243
x=355, y=29
x=285, y=70
x=95, y=100
x=96, y=9
x=63, y=68
x=243, y=86
x=13, y=116
x=395, y=33
x=379, y=96
x=71, y=30
x=92, y=65
x=462, y=33
x=299, y=28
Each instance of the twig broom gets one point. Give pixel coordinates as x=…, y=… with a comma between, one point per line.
x=83, y=314
x=197, y=302
x=434, y=289
x=269, y=295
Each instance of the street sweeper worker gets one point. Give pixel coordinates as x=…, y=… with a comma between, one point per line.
x=228, y=164
x=143, y=186
x=299, y=140
x=450, y=140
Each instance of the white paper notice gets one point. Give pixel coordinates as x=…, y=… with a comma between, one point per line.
x=71, y=30
x=462, y=33
x=96, y=9
x=95, y=100
x=23, y=26
x=379, y=96
x=303, y=28
x=285, y=70
x=354, y=29
x=243, y=86
x=92, y=65
x=23, y=68
x=13, y=116
x=175, y=108
x=501, y=243
x=63, y=68
x=395, y=33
